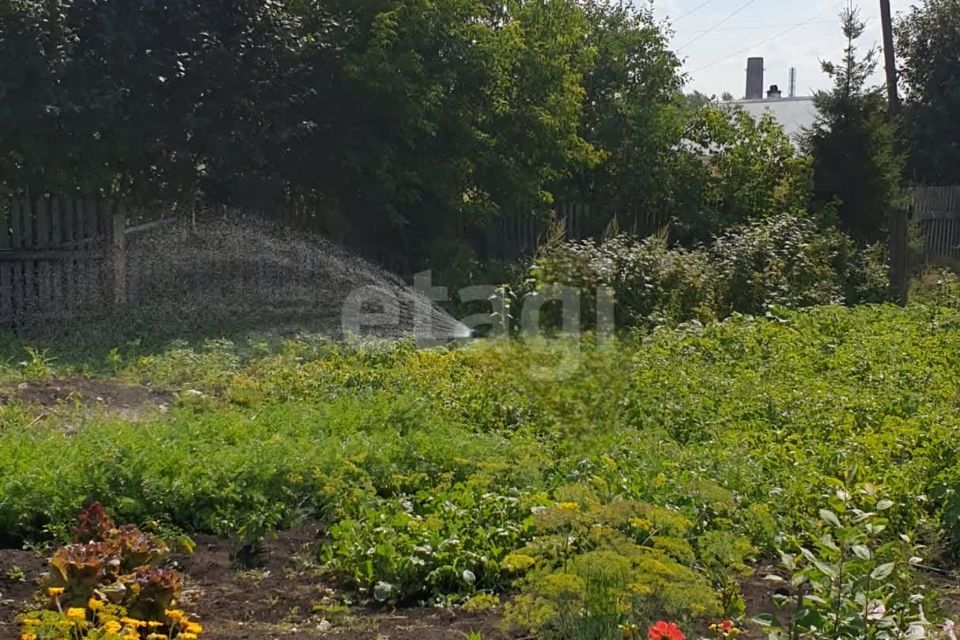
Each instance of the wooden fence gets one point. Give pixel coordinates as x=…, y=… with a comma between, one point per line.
x=64, y=257
x=512, y=236
x=56, y=259
x=936, y=211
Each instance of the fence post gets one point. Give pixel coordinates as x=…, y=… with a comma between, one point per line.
x=899, y=264
x=118, y=252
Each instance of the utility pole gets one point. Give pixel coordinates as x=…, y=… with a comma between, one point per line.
x=898, y=221
x=890, y=58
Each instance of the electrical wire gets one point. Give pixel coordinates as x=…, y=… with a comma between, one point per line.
x=730, y=17
x=765, y=27
x=805, y=23
x=691, y=12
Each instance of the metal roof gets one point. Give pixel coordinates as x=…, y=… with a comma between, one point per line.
x=794, y=114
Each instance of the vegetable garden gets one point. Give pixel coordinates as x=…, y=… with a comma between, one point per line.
x=793, y=474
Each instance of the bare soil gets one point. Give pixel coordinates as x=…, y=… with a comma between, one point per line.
x=275, y=599
x=128, y=402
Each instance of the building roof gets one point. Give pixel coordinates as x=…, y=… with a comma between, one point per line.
x=794, y=114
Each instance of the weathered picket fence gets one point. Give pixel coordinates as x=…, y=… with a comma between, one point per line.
x=937, y=212
x=57, y=258
x=65, y=257
x=510, y=236
x=513, y=235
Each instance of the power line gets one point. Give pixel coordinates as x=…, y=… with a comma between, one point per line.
x=812, y=20
x=760, y=27
x=692, y=11
x=730, y=17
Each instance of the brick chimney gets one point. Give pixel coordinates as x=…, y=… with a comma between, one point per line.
x=755, y=79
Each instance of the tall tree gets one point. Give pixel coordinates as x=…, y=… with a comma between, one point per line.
x=929, y=44
x=856, y=170
x=633, y=114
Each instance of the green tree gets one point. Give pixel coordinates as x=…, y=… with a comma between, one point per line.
x=699, y=100
x=928, y=39
x=633, y=115
x=750, y=170
x=135, y=99
x=856, y=171
x=440, y=115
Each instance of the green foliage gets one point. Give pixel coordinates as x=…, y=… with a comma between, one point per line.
x=641, y=487
x=928, y=43
x=602, y=567
x=633, y=115
x=652, y=284
x=855, y=166
x=783, y=260
x=442, y=541
x=752, y=170
x=846, y=582
x=399, y=126
x=788, y=261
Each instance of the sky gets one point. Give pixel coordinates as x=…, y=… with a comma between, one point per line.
x=714, y=38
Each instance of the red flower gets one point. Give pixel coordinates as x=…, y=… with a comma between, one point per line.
x=726, y=626
x=665, y=631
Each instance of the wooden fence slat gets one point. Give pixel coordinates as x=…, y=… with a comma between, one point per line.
x=56, y=223
x=69, y=221
x=29, y=267
x=42, y=222
x=56, y=269
x=28, y=216
x=67, y=237
x=16, y=224
x=16, y=278
x=6, y=292
x=91, y=215
x=6, y=209
x=44, y=274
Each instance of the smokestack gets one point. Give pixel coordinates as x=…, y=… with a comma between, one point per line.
x=774, y=93
x=755, y=79
x=793, y=82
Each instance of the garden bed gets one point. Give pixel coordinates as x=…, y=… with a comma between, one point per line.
x=454, y=489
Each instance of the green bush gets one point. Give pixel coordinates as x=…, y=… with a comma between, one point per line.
x=784, y=260
x=652, y=283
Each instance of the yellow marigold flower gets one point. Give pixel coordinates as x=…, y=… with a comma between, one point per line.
x=133, y=622
x=53, y=592
x=112, y=626
x=28, y=636
x=76, y=613
x=187, y=636
x=95, y=605
x=568, y=506
x=174, y=614
x=153, y=624
x=193, y=627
